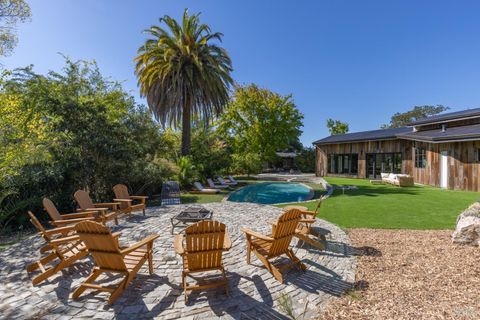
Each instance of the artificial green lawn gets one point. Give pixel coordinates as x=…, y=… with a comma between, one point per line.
x=391, y=207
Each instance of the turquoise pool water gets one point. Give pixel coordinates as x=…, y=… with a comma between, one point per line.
x=271, y=193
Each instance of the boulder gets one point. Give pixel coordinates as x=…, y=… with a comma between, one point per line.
x=467, y=230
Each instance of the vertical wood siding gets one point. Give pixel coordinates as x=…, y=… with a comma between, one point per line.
x=463, y=167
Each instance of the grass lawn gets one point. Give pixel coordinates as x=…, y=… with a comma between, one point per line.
x=390, y=207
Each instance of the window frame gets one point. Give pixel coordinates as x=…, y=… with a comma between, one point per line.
x=342, y=163
x=420, y=158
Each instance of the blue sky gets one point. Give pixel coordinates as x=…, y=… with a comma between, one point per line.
x=356, y=61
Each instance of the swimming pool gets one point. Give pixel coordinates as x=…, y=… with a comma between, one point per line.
x=272, y=192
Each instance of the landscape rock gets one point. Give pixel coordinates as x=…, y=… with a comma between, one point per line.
x=467, y=230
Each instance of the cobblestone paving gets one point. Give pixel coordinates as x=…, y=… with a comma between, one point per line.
x=254, y=293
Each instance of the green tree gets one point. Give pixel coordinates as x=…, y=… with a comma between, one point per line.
x=257, y=123
x=74, y=129
x=305, y=160
x=181, y=72
x=400, y=119
x=11, y=13
x=337, y=126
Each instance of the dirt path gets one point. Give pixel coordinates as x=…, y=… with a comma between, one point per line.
x=405, y=274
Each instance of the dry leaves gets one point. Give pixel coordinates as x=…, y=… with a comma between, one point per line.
x=410, y=274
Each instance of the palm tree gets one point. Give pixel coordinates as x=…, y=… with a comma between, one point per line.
x=181, y=72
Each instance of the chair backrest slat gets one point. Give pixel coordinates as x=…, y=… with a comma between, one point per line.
x=101, y=244
x=283, y=231
x=121, y=192
x=204, y=244
x=51, y=209
x=83, y=199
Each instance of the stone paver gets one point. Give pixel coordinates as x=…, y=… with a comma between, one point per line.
x=254, y=293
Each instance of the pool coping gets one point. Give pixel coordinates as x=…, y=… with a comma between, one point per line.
x=309, y=198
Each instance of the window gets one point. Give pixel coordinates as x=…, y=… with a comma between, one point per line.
x=343, y=163
x=420, y=158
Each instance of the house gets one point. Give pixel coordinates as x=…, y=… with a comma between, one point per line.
x=441, y=150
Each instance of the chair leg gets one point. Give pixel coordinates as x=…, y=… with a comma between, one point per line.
x=184, y=284
x=144, y=212
x=226, y=280
x=118, y=291
x=270, y=267
x=295, y=260
x=307, y=239
x=94, y=275
x=42, y=261
x=249, y=250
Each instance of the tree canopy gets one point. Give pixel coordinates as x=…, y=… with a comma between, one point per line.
x=182, y=72
x=337, y=126
x=11, y=13
x=257, y=123
x=73, y=129
x=401, y=119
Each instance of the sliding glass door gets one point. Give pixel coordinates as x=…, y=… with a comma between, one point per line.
x=378, y=163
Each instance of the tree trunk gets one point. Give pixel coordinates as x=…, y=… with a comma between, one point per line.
x=186, y=128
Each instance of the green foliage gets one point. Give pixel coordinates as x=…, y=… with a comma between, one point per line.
x=337, y=126
x=182, y=72
x=75, y=129
x=210, y=152
x=257, y=123
x=187, y=171
x=305, y=160
x=11, y=12
x=417, y=113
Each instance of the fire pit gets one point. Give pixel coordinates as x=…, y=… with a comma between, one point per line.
x=190, y=215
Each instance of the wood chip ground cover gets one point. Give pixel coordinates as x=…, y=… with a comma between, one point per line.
x=410, y=274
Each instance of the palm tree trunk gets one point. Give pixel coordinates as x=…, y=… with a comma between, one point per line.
x=186, y=128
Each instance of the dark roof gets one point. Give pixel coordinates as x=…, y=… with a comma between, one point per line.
x=448, y=116
x=453, y=133
x=382, y=134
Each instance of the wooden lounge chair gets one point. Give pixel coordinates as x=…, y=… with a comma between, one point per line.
x=60, y=220
x=111, y=258
x=200, y=189
x=201, y=249
x=108, y=210
x=268, y=247
x=126, y=200
x=61, y=245
x=212, y=185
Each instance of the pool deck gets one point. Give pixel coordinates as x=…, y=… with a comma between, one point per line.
x=254, y=293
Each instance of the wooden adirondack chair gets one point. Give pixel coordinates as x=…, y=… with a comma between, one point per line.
x=201, y=249
x=111, y=258
x=268, y=247
x=86, y=204
x=61, y=245
x=60, y=220
x=305, y=232
x=126, y=200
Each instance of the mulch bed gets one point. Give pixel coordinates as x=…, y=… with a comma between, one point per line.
x=410, y=274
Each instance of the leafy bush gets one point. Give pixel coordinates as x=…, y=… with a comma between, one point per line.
x=187, y=171
x=74, y=130
x=305, y=160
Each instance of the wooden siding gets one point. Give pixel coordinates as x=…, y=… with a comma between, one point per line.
x=463, y=167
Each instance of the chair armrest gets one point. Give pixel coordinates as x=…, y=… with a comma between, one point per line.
x=138, y=197
x=256, y=234
x=310, y=213
x=112, y=205
x=227, y=243
x=307, y=220
x=178, y=244
x=123, y=200
x=71, y=221
x=77, y=215
x=65, y=239
x=61, y=230
x=139, y=244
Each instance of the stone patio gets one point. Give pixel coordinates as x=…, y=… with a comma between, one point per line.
x=254, y=293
